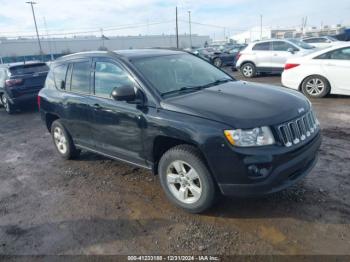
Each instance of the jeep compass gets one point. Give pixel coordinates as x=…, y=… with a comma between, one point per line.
x=173, y=113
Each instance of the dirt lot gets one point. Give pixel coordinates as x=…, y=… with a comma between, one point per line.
x=94, y=205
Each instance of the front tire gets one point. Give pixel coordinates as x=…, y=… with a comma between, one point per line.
x=186, y=180
x=315, y=86
x=63, y=141
x=248, y=70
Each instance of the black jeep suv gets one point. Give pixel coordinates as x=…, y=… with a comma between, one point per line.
x=20, y=83
x=171, y=112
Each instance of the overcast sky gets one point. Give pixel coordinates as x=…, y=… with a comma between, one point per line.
x=235, y=15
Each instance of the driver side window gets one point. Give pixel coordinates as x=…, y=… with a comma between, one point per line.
x=109, y=76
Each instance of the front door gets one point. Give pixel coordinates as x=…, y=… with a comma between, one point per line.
x=281, y=54
x=118, y=125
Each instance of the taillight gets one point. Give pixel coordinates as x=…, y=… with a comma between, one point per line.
x=290, y=66
x=39, y=101
x=13, y=82
x=238, y=56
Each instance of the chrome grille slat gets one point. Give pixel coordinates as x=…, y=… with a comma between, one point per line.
x=297, y=130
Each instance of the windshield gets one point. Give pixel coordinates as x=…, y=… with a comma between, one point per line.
x=301, y=44
x=182, y=72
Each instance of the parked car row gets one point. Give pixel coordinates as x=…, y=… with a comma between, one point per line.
x=320, y=73
x=269, y=56
x=219, y=58
x=321, y=42
x=316, y=72
x=20, y=83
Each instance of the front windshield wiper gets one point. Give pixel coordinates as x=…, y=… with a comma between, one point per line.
x=186, y=89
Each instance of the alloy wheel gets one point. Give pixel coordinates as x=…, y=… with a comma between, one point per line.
x=247, y=71
x=314, y=86
x=5, y=103
x=217, y=62
x=60, y=140
x=184, y=182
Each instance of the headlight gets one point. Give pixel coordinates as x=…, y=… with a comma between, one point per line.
x=260, y=136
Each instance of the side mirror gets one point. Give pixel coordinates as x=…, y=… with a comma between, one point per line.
x=291, y=50
x=124, y=93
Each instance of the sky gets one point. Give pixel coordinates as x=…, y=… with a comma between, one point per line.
x=134, y=17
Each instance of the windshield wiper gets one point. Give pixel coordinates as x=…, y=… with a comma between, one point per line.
x=218, y=82
x=186, y=89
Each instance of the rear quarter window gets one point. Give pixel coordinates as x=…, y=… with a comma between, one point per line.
x=60, y=73
x=49, y=82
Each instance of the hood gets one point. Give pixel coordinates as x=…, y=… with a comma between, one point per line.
x=241, y=104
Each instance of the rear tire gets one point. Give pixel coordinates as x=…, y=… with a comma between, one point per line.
x=186, y=180
x=248, y=70
x=315, y=86
x=63, y=141
x=9, y=108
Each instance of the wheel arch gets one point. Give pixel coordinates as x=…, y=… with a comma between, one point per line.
x=247, y=61
x=161, y=144
x=49, y=119
x=315, y=75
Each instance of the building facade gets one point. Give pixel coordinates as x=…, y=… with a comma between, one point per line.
x=16, y=49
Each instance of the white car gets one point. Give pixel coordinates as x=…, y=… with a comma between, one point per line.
x=322, y=41
x=320, y=73
x=269, y=56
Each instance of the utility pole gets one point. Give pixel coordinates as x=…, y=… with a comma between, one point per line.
x=261, y=19
x=48, y=39
x=189, y=23
x=36, y=28
x=177, y=31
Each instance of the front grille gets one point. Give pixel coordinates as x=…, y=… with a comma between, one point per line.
x=298, y=130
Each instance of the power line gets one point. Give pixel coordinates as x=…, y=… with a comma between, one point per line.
x=123, y=27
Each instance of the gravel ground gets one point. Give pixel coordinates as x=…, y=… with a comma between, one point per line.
x=94, y=205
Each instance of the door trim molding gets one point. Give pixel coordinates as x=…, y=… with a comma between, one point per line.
x=112, y=157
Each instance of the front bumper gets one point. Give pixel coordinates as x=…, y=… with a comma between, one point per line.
x=286, y=170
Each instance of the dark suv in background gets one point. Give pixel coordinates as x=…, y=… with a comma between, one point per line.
x=174, y=113
x=20, y=83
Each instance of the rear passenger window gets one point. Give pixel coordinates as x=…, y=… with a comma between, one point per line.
x=262, y=46
x=81, y=77
x=109, y=76
x=60, y=76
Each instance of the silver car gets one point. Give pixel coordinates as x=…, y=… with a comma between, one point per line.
x=269, y=56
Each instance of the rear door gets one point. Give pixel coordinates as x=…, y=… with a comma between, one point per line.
x=280, y=54
x=337, y=70
x=262, y=54
x=77, y=101
x=33, y=77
